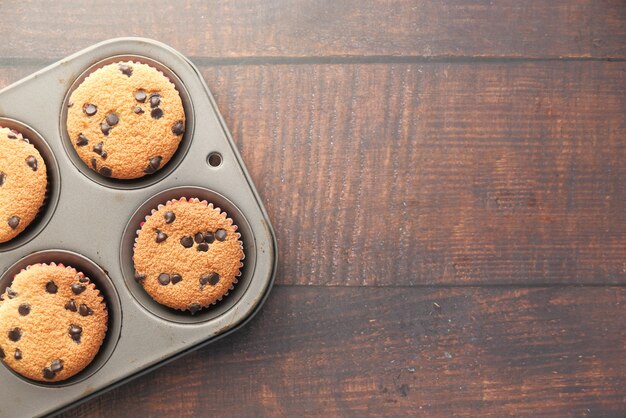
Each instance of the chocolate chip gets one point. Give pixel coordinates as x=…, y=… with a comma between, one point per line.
x=203, y=246
x=1, y=298
x=203, y=281
x=156, y=113
x=169, y=217
x=2, y=355
x=140, y=278
x=199, y=237
x=70, y=104
x=209, y=237
x=176, y=278
x=24, y=309
x=178, y=128
x=32, y=162
x=15, y=334
x=90, y=109
x=214, y=279
x=155, y=100
x=194, y=307
x=78, y=288
x=11, y=293
x=51, y=287
x=3, y=177
x=71, y=305
x=164, y=279
x=140, y=96
x=56, y=365
x=48, y=374
x=138, y=110
x=75, y=332
x=221, y=234
x=12, y=135
x=85, y=310
x=18, y=354
x=82, y=279
x=104, y=155
x=186, y=241
x=105, y=171
x=14, y=222
x=126, y=69
x=153, y=165
x=112, y=119
x=105, y=128
x=94, y=163
x=82, y=140
x=98, y=148
x=160, y=236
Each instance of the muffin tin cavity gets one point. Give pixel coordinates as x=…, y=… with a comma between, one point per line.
x=103, y=283
x=228, y=301
x=159, y=173
x=53, y=190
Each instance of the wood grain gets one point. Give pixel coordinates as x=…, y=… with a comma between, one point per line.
x=323, y=28
x=401, y=352
x=438, y=173
x=442, y=175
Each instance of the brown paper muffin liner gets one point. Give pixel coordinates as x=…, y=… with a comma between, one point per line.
x=222, y=214
x=85, y=281
x=92, y=72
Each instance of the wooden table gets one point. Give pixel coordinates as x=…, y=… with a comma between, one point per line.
x=447, y=183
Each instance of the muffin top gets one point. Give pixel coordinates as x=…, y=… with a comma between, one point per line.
x=125, y=120
x=188, y=254
x=53, y=321
x=23, y=183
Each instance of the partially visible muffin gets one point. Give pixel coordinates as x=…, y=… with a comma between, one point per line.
x=53, y=321
x=125, y=120
x=188, y=254
x=23, y=183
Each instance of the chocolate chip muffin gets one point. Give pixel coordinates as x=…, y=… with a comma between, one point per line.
x=23, y=183
x=53, y=321
x=125, y=120
x=188, y=254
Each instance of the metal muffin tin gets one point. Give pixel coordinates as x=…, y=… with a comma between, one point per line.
x=89, y=222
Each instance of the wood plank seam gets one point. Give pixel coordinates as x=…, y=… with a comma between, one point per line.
x=208, y=61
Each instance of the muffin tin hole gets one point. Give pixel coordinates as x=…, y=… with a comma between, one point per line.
x=128, y=268
x=214, y=159
x=54, y=184
x=102, y=282
x=149, y=179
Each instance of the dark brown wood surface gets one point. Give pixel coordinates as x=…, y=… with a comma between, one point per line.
x=401, y=352
x=325, y=28
x=446, y=180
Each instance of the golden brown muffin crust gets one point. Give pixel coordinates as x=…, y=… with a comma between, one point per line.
x=167, y=244
x=37, y=315
x=23, y=184
x=125, y=120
